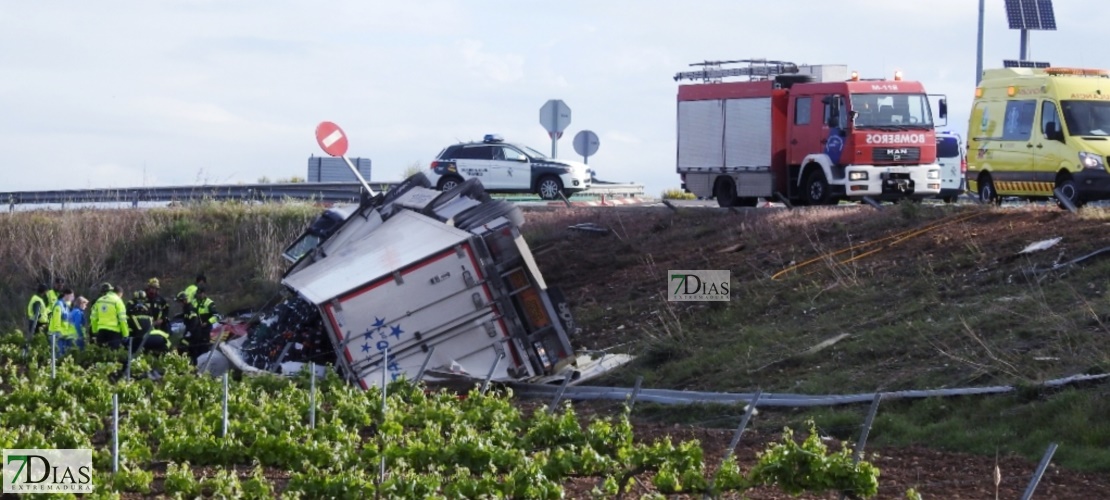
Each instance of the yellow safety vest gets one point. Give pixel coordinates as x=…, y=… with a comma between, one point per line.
x=43, y=310
x=59, y=321
x=109, y=313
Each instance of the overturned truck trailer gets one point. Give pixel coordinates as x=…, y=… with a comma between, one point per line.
x=418, y=281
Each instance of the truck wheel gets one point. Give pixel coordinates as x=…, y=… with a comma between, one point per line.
x=448, y=183
x=725, y=193
x=987, y=193
x=1070, y=190
x=549, y=187
x=817, y=190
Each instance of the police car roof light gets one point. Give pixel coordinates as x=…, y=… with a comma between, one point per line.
x=492, y=138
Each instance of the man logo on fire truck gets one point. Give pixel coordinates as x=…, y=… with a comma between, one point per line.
x=809, y=134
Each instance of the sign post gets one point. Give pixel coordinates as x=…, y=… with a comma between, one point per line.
x=555, y=116
x=334, y=142
x=586, y=144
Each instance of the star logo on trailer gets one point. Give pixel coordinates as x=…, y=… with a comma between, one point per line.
x=365, y=347
x=396, y=331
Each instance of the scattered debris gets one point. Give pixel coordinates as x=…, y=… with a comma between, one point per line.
x=1041, y=245
x=589, y=227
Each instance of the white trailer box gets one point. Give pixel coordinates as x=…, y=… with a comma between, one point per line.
x=419, y=282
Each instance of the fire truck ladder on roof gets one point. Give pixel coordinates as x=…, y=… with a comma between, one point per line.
x=756, y=69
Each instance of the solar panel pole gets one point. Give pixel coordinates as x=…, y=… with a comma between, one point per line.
x=979, y=53
x=1024, y=45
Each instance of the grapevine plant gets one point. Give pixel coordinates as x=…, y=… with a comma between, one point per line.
x=435, y=444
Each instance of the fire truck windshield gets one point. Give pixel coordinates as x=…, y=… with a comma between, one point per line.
x=892, y=111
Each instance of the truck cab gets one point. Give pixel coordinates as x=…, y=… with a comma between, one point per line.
x=861, y=138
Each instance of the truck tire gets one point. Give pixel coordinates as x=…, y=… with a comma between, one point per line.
x=1070, y=190
x=725, y=192
x=549, y=187
x=816, y=190
x=987, y=194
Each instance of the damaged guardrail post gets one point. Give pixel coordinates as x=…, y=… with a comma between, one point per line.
x=736, y=437
x=424, y=365
x=559, y=394
x=857, y=454
x=312, y=396
x=224, y=432
x=1065, y=201
x=1039, y=472
x=489, y=376
x=385, y=371
x=53, y=356
x=115, y=433
x=635, y=393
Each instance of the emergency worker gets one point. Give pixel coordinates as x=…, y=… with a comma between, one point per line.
x=159, y=307
x=38, y=317
x=108, y=319
x=202, y=317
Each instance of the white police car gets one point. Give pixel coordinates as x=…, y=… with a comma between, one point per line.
x=952, y=157
x=507, y=168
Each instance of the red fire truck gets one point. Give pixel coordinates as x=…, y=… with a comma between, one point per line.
x=812, y=135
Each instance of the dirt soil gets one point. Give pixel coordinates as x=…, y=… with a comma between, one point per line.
x=621, y=274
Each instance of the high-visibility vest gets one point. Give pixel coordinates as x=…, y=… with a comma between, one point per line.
x=59, y=320
x=109, y=313
x=190, y=292
x=160, y=333
x=36, y=299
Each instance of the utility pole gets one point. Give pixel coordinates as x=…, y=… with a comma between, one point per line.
x=979, y=55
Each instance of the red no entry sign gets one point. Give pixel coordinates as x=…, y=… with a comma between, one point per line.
x=331, y=139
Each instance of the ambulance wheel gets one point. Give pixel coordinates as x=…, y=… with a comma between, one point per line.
x=987, y=193
x=817, y=190
x=1068, y=189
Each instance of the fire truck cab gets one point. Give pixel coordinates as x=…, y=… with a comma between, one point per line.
x=810, y=134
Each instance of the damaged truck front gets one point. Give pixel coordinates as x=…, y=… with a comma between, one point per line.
x=420, y=283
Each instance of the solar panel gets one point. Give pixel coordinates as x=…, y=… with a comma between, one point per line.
x=1030, y=15
x=1014, y=63
x=1048, y=17
x=1013, y=14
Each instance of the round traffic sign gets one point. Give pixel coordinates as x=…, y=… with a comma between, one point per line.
x=331, y=139
x=586, y=143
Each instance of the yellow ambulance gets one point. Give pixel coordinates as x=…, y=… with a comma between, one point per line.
x=1035, y=130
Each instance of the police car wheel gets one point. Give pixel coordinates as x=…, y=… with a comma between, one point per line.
x=549, y=188
x=449, y=183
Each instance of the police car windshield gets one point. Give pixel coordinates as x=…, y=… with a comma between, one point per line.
x=892, y=111
x=1087, y=118
x=536, y=155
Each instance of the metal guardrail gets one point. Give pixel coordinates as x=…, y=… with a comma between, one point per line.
x=324, y=192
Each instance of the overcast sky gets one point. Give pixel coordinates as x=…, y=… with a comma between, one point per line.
x=173, y=92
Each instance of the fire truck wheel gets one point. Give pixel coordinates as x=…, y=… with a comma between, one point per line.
x=549, y=187
x=817, y=190
x=1070, y=190
x=987, y=194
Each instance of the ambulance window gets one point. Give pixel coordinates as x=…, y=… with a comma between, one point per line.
x=1019, y=120
x=1049, y=116
x=802, y=110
